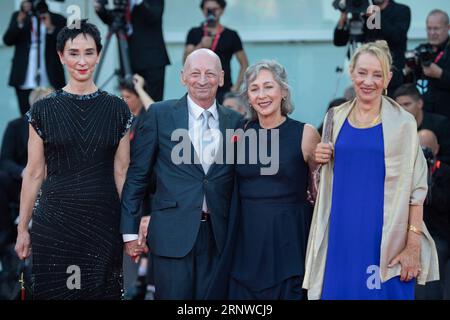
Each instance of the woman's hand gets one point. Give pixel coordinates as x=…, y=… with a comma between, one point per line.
x=23, y=245
x=323, y=153
x=409, y=260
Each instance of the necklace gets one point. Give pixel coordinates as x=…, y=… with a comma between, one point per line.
x=364, y=125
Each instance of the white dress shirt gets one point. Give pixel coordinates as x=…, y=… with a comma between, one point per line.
x=195, y=130
x=30, y=79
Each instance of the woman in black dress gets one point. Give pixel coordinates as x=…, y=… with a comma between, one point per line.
x=78, y=158
x=274, y=214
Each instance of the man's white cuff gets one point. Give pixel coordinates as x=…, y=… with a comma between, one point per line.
x=129, y=237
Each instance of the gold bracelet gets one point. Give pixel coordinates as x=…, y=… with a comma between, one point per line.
x=415, y=229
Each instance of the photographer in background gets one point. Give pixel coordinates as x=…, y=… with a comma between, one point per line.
x=435, y=64
x=436, y=216
x=410, y=99
x=223, y=41
x=395, y=21
x=35, y=62
x=147, y=50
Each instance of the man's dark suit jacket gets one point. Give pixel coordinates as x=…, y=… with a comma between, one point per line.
x=440, y=126
x=146, y=44
x=14, y=152
x=21, y=39
x=177, y=203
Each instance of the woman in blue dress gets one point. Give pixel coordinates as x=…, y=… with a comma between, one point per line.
x=274, y=215
x=368, y=240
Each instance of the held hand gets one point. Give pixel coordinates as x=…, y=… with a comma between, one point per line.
x=134, y=250
x=323, y=153
x=409, y=260
x=23, y=245
x=206, y=42
x=433, y=71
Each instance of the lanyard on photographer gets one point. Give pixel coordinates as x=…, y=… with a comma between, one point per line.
x=441, y=54
x=216, y=37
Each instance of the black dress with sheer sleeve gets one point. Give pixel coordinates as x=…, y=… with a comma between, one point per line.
x=76, y=244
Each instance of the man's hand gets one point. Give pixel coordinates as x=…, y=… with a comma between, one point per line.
x=134, y=250
x=433, y=71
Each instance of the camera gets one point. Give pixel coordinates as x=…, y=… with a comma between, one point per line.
x=211, y=19
x=423, y=55
x=356, y=7
x=118, y=21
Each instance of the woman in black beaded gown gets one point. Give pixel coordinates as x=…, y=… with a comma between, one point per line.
x=78, y=157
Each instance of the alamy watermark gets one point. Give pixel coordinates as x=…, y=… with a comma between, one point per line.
x=374, y=280
x=74, y=280
x=237, y=147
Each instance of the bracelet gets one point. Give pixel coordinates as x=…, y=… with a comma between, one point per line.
x=415, y=229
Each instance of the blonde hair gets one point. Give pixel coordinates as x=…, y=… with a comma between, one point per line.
x=380, y=50
x=38, y=94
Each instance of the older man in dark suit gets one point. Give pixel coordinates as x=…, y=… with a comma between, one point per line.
x=188, y=224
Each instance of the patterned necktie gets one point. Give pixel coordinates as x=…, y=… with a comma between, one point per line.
x=206, y=143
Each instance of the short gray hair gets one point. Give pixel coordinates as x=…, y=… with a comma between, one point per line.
x=280, y=76
x=442, y=13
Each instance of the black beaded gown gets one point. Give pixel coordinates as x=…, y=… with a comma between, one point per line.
x=76, y=217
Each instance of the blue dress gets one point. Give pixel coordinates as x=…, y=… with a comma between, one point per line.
x=356, y=221
x=274, y=221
